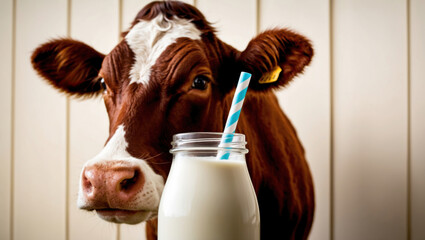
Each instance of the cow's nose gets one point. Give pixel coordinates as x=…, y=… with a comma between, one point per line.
x=112, y=186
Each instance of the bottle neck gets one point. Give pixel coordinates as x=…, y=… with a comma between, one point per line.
x=208, y=143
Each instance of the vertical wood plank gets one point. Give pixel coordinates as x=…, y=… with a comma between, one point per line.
x=417, y=127
x=235, y=21
x=309, y=94
x=39, y=127
x=6, y=31
x=370, y=119
x=88, y=118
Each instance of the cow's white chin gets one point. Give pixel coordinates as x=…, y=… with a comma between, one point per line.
x=125, y=216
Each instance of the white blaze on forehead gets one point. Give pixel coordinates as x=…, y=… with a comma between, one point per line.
x=148, y=39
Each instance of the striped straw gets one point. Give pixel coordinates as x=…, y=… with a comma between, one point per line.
x=235, y=111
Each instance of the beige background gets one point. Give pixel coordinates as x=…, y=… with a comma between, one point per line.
x=359, y=110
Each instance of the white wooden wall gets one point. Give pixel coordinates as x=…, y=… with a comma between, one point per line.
x=359, y=110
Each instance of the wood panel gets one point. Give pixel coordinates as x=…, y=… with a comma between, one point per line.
x=370, y=119
x=417, y=90
x=234, y=20
x=39, y=127
x=6, y=30
x=309, y=94
x=89, y=124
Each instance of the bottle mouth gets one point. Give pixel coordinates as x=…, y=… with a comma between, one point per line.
x=208, y=141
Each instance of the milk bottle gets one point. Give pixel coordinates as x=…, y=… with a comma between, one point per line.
x=206, y=198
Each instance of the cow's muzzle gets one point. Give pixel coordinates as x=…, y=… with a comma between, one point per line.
x=120, y=191
x=111, y=187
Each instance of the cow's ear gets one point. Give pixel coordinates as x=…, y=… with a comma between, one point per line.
x=274, y=57
x=70, y=66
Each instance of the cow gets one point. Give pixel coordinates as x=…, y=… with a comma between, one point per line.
x=170, y=74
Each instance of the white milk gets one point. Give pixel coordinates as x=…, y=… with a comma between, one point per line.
x=208, y=199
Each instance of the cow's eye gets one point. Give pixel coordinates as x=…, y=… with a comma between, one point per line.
x=200, y=82
x=103, y=84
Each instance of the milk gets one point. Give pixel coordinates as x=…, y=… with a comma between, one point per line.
x=208, y=199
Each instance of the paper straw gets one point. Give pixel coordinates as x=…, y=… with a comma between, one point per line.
x=234, y=113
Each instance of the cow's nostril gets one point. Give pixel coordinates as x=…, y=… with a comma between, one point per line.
x=87, y=184
x=127, y=184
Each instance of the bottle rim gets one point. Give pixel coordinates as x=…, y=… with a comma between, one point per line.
x=208, y=141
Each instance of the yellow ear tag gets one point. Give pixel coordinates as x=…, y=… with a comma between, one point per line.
x=271, y=76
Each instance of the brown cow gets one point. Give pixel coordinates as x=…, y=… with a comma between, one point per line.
x=171, y=74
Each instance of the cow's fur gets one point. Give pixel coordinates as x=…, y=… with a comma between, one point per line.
x=151, y=111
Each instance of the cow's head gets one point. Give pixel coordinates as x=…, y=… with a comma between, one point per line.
x=169, y=74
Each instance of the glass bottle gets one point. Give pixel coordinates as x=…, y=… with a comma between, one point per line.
x=206, y=198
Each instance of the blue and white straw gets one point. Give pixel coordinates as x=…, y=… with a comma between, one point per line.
x=234, y=113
